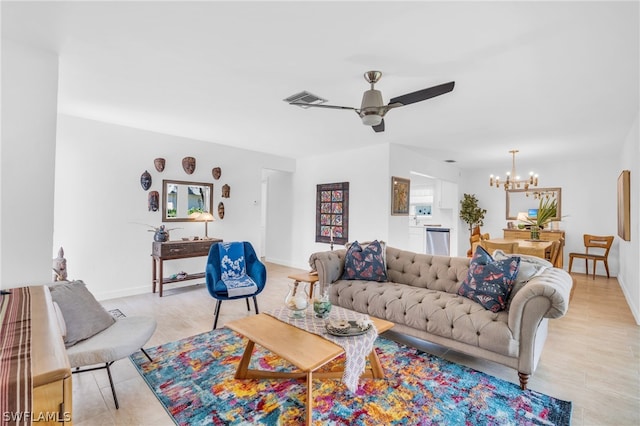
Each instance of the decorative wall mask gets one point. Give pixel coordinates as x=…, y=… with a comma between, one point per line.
x=216, y=172
x=145, y=180
x=154, y=201
x=225, y=190
x=221, y=210
x=189, y=165
x=159, y=163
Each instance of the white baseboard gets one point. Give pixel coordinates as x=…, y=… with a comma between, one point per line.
x=288, y=263
x=632, y=303
x=134, y=291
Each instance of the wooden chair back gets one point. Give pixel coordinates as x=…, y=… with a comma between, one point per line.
x=476, y=238
x=598, y=242
x=556, y=249
x=491, y=246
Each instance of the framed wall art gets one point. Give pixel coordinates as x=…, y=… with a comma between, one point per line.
x=332, y=213
x=624, y=205
x=400, y=196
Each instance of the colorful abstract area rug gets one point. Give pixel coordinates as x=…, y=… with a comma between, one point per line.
x=194, y=379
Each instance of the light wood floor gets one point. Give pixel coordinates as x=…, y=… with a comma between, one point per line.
x=591, y=357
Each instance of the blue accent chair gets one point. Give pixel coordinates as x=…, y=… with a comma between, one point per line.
x=255, y=269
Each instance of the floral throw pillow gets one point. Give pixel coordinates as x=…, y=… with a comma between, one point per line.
x=489, y=282
x=365, y=263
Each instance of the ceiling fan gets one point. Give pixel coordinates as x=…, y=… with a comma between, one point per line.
x=372, y=110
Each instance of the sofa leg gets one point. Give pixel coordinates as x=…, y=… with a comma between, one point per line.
x=524, y=379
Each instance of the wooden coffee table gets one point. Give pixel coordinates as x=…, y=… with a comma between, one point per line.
x=305, y=350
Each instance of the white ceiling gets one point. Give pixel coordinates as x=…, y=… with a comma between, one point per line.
x=542, y=77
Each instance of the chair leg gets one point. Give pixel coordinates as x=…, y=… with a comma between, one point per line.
x=255, y=303
x=113, y=388
x=570, y=263
x=146, y=354
x=606, y=267
x=215, y=321
x=248, y=307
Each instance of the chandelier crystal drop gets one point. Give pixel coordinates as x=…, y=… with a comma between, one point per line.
x=513, y=180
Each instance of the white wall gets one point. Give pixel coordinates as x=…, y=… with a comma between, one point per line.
x=101, y=208
x=279, y=211
x=589, y=204
x=29, y=102
x=629, y=275
x=403, y=161
x=367, y=171
x=588, y=201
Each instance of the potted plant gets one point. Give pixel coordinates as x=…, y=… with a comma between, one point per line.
x=547, y=211
x=471, y=213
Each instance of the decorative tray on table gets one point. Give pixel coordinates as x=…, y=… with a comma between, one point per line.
x=343, y=328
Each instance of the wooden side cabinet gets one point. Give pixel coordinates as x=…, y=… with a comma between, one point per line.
x=546, y=235
x=171, y=250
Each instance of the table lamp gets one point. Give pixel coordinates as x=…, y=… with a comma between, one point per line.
x=206, y=217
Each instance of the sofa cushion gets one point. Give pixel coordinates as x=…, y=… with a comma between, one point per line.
x=83, y=315
x=364, y=245
x=530, y=267
x=435, y=312
x=489, y=282
x=365, y=263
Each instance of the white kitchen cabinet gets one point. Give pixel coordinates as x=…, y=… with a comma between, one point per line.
x=448, y=195
x=417, y=239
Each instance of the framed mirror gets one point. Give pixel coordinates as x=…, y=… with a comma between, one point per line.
x=180, y=199
x=521, y=200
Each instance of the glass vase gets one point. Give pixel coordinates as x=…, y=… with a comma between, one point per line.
x=297, y=299
x=535, y=232
x=321, y=302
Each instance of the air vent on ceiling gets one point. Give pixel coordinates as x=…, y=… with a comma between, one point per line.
x=305, y=98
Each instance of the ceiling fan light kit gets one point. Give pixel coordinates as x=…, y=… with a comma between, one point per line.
x=372, y=109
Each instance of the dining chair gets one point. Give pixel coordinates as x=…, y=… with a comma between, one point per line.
x=602, y=245
x=491, y=246
x=475, y=239
x=556, y=249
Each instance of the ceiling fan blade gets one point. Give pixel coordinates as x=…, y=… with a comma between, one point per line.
x=321, y=106
x=424, y=94
x=379, y=128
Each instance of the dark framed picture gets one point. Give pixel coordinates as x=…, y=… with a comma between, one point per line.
x=332, y=213
x=624, y=205
x=400, y=196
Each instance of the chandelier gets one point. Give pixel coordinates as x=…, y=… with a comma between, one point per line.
x=513, y=181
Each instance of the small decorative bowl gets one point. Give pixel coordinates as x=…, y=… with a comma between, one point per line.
x=339, y=326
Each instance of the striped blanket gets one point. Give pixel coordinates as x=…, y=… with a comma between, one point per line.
x=15, y=357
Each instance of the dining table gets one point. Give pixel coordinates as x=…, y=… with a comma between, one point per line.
x=538, y=248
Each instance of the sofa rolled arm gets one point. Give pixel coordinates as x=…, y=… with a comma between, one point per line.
x=544, y=296
x=553, y=284
x=329, y=264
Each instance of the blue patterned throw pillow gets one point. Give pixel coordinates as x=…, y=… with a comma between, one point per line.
x=365, y=263
x=489, y=282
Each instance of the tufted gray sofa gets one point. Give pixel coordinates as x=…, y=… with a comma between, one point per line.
x=421, y=299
